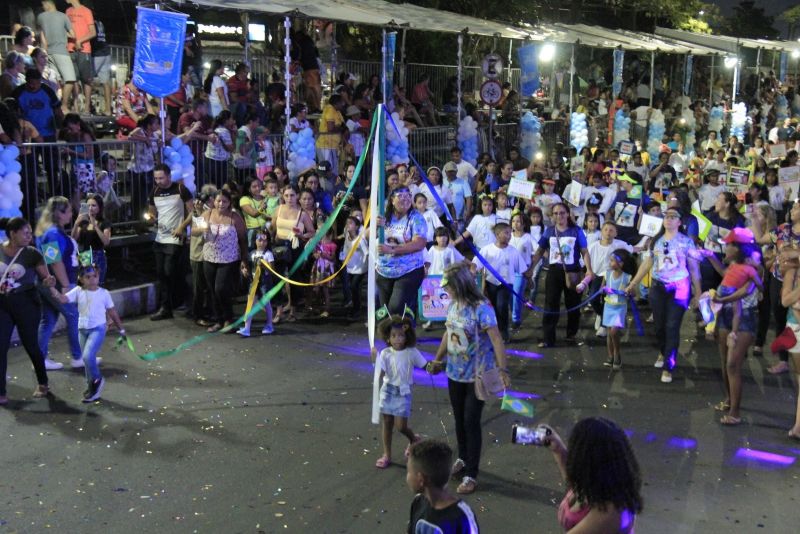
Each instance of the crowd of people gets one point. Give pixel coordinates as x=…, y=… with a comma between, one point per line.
x=675, y=230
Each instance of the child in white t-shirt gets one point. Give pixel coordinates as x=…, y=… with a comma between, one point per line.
x=508, y=263
x=261, y=253
x=481, y=226
x=441, y=255
x=396, y=363
x=520, y=240
x=94, y=303
x=431, y=219
x=356, y=268
x=503, y=208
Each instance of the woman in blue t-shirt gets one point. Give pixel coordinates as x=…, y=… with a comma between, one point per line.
x=472, y=344
x=564, y=243
x=61, y=253
x=400, y=263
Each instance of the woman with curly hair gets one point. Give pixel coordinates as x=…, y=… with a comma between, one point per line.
x=602, y=475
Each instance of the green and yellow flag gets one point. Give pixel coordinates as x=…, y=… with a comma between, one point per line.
x=51, y=252
x=512, y=404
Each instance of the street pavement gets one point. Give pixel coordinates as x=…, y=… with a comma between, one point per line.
x=273, y=434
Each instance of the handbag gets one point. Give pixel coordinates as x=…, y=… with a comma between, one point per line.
x=488, y=382
x=571, y=278
x=282, y=254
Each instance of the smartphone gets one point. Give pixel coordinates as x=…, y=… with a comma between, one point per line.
x=526, y=435
x=84, y=209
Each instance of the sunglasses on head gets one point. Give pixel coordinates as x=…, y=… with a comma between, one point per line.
x=401, y=191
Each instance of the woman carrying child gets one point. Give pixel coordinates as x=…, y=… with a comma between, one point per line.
x=736, y=321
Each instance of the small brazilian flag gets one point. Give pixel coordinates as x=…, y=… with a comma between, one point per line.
x=636, y=192
x=51, y=252
x=85, y=258
x=517, y=406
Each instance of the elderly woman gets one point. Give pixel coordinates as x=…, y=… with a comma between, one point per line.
x=400, y=263
x=21, y=265
x=472, y=344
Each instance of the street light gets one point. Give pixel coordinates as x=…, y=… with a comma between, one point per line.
x=731, y=62
x=701, y=12
x=547, y=53
x=796, y=53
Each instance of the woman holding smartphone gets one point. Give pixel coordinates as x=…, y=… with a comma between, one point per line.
x=292, y=229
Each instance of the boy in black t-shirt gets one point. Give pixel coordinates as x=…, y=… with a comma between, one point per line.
x=434, y=510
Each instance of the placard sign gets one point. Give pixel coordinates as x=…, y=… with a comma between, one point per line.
x=521, y=188
x=739, y=176
x=433, y=299
x=627, y=148
x=777, y=151
x=789, y=174
x=650, y=225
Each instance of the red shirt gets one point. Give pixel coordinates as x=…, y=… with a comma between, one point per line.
x=239, y=89
x=738, y=274
x=81, y=19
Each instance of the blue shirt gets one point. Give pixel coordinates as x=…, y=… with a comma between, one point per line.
x=460, y=191
x=69, y=252
x=38, y=108
x=565, y=248
x=469, y=348
x=399, y=232
x=323, y=199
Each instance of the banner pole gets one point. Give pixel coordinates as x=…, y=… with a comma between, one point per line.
x=375, y=208
x=162, y=114
x=287, y=80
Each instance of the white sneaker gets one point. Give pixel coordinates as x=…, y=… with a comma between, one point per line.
x=268, y=329
x=659, y=362
x=50, y=365
x=426, y=325
x=666, y=377
x=78, y=364
x=244, y=332
x=601, y=332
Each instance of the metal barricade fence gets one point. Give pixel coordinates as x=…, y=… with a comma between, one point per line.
x=553, y=132
x=506, y=136
x=362, y=70
x=431, y=146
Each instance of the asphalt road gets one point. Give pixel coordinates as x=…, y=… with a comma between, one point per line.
x=272, y=434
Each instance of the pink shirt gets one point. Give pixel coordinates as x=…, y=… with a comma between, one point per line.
x=569, y=519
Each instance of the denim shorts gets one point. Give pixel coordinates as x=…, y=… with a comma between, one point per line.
x=392, y=402
x=747, y=322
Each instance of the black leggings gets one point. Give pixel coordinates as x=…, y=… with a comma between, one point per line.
x=221, y=280
x=24, y=311
x=354, y=293
x=397, y=293
x=467, y=411
x=554, y=285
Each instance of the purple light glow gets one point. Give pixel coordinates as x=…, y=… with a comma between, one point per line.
x=629, y=433
x=764, y=457
x=682, y=443
x=650, y=437
x=422, y=378
x=525, y=354
x=524, y=395
x=425, y=340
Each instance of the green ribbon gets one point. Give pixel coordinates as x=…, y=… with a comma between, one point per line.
x=307, y=250
x=126, y=340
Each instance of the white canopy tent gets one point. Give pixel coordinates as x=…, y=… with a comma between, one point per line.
x=727, y=43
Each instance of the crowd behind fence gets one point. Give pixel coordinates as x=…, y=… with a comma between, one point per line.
x=50, y=169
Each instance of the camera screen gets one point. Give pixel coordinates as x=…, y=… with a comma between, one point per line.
x=523, y=435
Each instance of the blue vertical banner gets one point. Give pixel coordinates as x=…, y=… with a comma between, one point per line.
x=529, y=69
x=616, y=85
x=159, y=51
x=391, y=45
x=687, y=74
x=784, y=68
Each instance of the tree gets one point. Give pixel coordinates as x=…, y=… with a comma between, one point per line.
x=792, y=17
x=748, y=20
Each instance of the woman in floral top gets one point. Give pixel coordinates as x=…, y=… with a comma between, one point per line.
x=471, y=343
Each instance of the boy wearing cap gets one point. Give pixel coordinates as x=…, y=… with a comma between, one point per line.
x=355, y=129
x=460, y=192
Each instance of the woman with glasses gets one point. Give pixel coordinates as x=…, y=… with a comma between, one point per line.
x=564, y=243
x=400, y=263
x=672, y=261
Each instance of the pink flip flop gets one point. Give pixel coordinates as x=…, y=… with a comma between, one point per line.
x=383, y=462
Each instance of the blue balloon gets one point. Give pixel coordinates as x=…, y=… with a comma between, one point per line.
x=10, y=153
x=13, y=166
x=176, y=143
x=175, y=157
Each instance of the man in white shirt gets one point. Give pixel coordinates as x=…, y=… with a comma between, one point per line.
x=465, y=169
x=460, y=192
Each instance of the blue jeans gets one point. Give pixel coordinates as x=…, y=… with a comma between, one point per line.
x=516, y=303
x=50, y=311
x=500, y=298
x=667, y=317
x=91, y=342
